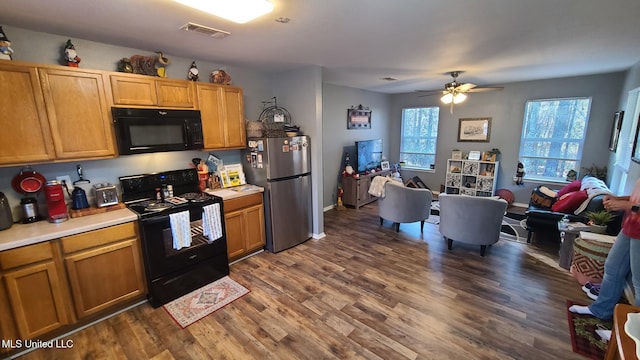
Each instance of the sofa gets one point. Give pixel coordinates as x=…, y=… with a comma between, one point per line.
x=574, y=200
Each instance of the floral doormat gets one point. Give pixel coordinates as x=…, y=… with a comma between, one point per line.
x=584, y=339
x=201, y=302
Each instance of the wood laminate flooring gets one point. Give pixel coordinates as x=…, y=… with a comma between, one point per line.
x=364, y=292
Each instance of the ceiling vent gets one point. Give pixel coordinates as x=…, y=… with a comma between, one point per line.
x=205, y=30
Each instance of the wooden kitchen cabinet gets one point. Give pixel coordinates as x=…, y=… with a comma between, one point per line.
x=35, y=289
x=78, y=113
x=25, y=136
x=8, y=329
x=143, y=90
x=222, y=111
x=104, y=268
x=245, y=227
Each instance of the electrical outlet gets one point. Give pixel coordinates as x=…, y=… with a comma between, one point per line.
x=66, y=179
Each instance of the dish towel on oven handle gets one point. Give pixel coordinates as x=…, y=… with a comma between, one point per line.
x=211, y=222
x=180, y=229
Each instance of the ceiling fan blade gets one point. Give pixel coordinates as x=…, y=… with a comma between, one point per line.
x=430, y=92
x=465, y=87
x=486, y=88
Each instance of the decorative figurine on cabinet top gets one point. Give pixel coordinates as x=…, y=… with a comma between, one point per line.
x=161, y=63
x=70, y=54
x=220, y=77
x=193, y=72
x=5, y=46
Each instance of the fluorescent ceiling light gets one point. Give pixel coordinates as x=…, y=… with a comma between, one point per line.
x=238, y=11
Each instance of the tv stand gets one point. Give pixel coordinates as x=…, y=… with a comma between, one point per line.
x=356, y=189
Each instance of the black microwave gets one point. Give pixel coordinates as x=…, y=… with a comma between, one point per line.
x=140, y=131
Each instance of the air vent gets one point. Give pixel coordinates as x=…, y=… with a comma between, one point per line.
x=205, y=30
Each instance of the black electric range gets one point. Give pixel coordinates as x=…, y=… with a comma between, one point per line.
x=175, y=270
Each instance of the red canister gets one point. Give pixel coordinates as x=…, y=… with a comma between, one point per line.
x=56, y=205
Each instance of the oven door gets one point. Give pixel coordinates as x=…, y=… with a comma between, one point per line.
x=162, y=257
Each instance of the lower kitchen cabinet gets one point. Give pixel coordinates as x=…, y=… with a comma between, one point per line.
x=35, y=289
x=244, y=223
x=104, y=268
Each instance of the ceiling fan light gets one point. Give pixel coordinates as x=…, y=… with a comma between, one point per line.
x=238, y=11
x=447, y=98
x=459, y=97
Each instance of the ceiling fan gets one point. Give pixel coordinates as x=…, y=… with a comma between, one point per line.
x=455, y=92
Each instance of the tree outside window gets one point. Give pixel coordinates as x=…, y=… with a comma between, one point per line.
x=419, y=137
x=553, y=137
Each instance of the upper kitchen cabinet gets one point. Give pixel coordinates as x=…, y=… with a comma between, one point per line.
x=143, y=90
x=25, y=135
x=78, y=113
x=221, y=108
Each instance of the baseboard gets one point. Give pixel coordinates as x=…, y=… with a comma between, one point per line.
x=319, y=236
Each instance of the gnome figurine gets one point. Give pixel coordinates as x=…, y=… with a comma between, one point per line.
x=70, y=55
x=193, y=72
x=5, y=46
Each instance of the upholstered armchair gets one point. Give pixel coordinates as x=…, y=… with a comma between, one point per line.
x=402, y=204
x=471, y=219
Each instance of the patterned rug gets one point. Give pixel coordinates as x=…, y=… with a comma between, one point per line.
x=512, y=230
x=584, y=339
x=201, y=302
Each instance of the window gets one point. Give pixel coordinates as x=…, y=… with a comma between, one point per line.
x=419, y=137
x=553, y=137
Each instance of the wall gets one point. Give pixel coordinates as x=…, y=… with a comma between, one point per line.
x=300, y=93
x=47, y=48
x=337, y=139
x=506, y=108
x=631, y=83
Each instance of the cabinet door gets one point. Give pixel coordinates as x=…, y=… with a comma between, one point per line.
x=78, y=113
x=235, y=231
x=235, y=134
x=105, y=276
x=255, y=233
x=25, y=135
x=8, y=329
x=363, y=189
x=133, y=90
x=37, y=299
x=175, y=93
x=211, y=110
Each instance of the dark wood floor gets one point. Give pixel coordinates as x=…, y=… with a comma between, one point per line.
x=364, y=292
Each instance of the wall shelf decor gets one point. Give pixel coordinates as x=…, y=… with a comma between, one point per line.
x=358, y=117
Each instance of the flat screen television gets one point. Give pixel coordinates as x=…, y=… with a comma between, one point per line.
x=369, y=154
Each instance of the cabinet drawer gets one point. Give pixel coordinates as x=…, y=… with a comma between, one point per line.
x=99, y=237
x=25, y=255
x=242, y=202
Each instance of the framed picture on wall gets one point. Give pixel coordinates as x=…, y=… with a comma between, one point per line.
x=615, y=130
x=358, y=117
x=474, y=129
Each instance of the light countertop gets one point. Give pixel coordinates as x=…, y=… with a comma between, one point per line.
x=26, y=234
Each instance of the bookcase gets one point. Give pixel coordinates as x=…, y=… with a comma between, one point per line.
x=471, y=177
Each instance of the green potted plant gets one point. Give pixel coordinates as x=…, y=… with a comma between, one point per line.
x=598, y=220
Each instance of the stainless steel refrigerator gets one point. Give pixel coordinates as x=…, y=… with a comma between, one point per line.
x=282, y=166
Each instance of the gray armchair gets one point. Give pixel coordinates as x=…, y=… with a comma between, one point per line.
x=471, y=219
x=404, y=204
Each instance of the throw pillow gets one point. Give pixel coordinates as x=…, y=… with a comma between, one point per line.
x=571, y=187
x=568, y=203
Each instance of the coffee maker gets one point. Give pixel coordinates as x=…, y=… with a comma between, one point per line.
x=56, y=205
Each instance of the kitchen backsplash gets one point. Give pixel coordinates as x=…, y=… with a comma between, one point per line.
x=106, y=171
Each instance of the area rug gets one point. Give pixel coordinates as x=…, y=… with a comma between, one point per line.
x=512, y=230
x=201, y=302
x=584, y=339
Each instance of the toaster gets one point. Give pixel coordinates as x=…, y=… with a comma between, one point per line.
x=106, y=194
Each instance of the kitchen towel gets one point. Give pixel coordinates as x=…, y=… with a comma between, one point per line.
x=211, y=224
x=180, y=229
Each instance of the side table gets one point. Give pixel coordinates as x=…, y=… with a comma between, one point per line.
x=568, y=234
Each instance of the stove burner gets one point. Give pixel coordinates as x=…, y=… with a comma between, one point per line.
x=155, y=207
x=196, y=197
